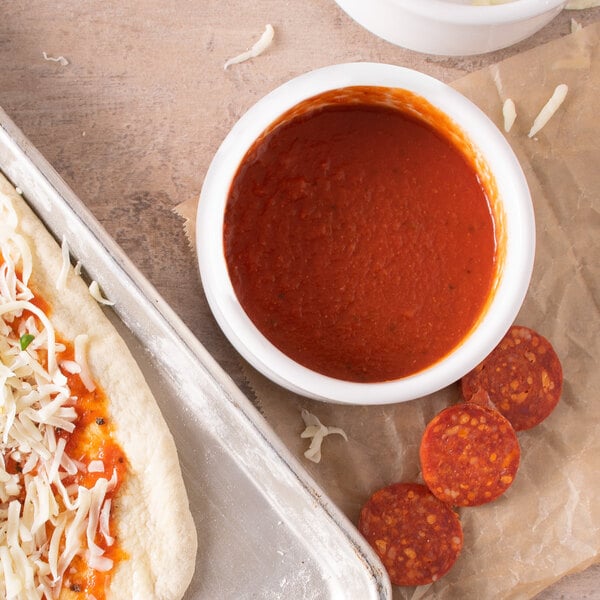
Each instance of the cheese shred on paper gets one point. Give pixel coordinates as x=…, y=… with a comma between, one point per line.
x=557, y=98
x=317, y=432
x=509, y=113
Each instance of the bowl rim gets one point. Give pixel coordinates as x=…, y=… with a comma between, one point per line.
x=469, y=14
x=244, y=335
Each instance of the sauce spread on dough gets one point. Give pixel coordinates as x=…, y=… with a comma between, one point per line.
x=359, y=239
x=91, y=440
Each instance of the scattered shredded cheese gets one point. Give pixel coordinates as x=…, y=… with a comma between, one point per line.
x=96, y=466
x=59, y=59
x=43, y=523
x=557, y=98
x=97, y=295
x=258, y=48
x=80, y=346
x=105, y=523
x=70, y=366
x=575, y=26
x=509, y=112
x=317, y=431
x=61, y=281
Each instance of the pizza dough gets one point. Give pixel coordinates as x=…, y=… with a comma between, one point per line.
x=151, y=513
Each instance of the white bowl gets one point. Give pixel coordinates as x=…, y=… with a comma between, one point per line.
x=518, y=236
x=452, y=27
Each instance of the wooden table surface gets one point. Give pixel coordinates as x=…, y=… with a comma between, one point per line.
x=132, y=122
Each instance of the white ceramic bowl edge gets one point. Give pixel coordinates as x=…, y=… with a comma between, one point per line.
x=512, y=188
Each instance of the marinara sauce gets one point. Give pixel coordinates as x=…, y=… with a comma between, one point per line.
x=359, y=239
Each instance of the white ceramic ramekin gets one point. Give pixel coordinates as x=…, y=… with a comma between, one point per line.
x=518, y=233
x=452, y=27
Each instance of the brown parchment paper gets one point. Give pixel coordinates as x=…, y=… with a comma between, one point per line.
x=548, y=523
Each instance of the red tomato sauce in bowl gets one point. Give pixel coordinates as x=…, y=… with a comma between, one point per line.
x=360, y=235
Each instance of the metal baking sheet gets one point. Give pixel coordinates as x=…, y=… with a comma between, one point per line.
x=265, y=529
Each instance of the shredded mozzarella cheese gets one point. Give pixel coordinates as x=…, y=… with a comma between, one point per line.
x=548, y=110
x=59, y=59
x=258, y=48
x=97, y=294
x=43, y=524
x=70, y=366
x=317, y=432
x=80, y=344
x=96, y=466
x=61, y=282
x=105, y=523
x=509, y=113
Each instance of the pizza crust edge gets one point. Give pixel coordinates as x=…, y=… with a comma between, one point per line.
x=154, y=523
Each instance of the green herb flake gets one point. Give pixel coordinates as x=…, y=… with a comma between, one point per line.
x=25, y=340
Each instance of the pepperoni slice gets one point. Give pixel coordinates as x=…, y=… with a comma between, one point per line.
x=522, y=377
x=417, y=537
x=469, y=455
